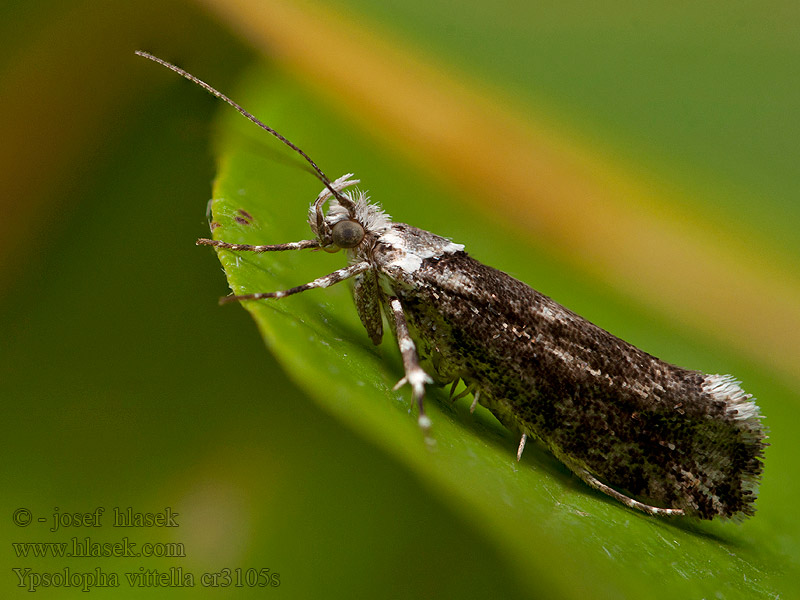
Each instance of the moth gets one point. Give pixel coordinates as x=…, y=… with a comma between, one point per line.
x=659, y=438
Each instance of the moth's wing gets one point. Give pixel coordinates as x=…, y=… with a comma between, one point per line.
x=671, y=436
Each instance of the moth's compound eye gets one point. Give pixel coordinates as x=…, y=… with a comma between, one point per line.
x=347, y=234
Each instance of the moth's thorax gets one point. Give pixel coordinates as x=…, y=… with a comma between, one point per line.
x=405, y=247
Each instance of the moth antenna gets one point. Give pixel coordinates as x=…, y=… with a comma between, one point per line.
x=346, y=202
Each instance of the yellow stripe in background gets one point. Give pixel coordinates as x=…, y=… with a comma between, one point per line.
x=597, y=213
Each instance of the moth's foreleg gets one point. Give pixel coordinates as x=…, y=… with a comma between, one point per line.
x=414, y=375
x=301, y=245
x=322, y=282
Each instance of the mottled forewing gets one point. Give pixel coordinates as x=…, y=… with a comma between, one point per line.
x=637, y=423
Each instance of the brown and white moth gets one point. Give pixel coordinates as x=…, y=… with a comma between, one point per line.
x=628, y=424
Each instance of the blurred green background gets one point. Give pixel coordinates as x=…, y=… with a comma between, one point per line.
x=124, y=384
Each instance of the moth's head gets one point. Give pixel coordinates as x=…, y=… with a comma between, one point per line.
x=350, y=219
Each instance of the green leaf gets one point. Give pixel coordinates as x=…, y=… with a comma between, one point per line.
x=562, y=537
